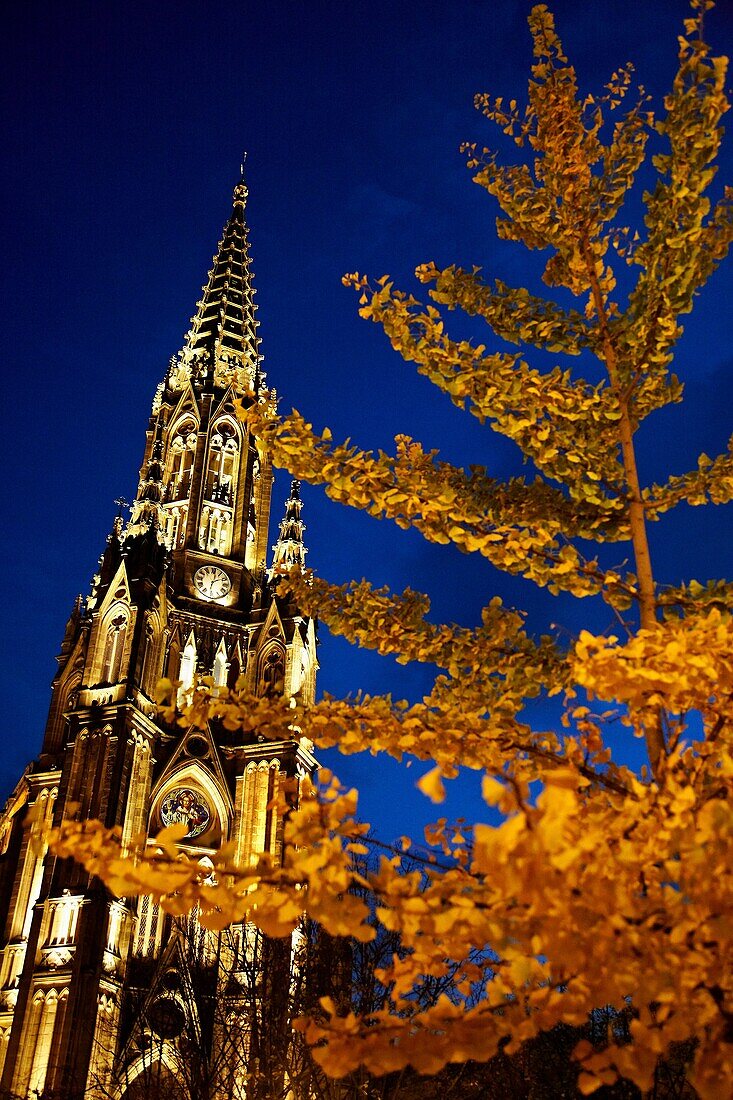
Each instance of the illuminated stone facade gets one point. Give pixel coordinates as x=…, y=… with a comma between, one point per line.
x=182, y=590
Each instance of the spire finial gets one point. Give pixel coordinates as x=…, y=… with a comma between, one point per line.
x=241, y=191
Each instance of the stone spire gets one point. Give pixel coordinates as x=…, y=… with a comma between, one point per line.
x=224, y=330
x=289, y=550
x=147, y=513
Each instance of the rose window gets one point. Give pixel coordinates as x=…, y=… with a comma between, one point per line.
x=185, y=806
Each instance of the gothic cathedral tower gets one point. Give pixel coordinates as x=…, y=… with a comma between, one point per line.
x=181, y=590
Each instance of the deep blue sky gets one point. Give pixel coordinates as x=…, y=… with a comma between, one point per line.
x=123, y=126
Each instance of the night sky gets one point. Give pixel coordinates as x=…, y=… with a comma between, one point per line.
x=123, y=128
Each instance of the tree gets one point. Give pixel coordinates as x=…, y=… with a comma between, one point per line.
x=599, y=886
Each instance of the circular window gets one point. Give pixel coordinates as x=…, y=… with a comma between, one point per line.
x=167, y=1018
x=171, y=981
x=185, y=806
x=197, y=746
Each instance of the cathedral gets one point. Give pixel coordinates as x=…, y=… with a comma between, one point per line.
x=103, y=996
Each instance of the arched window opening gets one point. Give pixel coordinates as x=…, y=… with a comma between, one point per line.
x=235, y=671
x=215, y=530
x=113, y=649
x=221, y=472
x=46, y=1007
x=273, y=673
x=180, y=462
x=72, y=691
x=251, y=521
x=148, y=672
x=149, y=927
x=220, y=669
x=172, y=662
x=188, y=668
x=175, y=526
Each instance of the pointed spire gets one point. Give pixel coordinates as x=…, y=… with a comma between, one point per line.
x=71, y=627
x=290, y=550
x=152, y=487
x=224, y=330
x=147, y=512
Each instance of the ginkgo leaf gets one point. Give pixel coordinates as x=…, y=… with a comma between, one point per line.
x=431, y=785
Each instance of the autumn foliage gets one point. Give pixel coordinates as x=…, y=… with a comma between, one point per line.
x=600, y=886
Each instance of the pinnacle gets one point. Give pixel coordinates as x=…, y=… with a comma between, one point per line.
x=290, y=550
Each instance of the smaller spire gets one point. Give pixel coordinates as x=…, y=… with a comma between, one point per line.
x=118, y=522
x=152, y=487
x=147, y=512
x=290, y=550
x=71, y=627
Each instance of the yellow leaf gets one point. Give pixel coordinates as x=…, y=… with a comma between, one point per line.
x=431, y=785
x=492, y=791
x=168, y=838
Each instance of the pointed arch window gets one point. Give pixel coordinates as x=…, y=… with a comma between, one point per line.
x=235, y=671
x=221, y=667
x=273, y=673
x=47, y=1006
x=188, y=668
x=180, y=462
x=215, y=530
x=148, y=933
x=150, y=671
x=221, y=472
x=114, y=645
x=175, y=529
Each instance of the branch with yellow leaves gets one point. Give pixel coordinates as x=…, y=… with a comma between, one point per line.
x=566, y=426
x=710, y=483
x=684, y=665
x=470, y=719
x=396, y=624
x=517, y=527
x=512, y=313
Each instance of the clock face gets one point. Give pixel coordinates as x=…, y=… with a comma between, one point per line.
x=211, y=582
